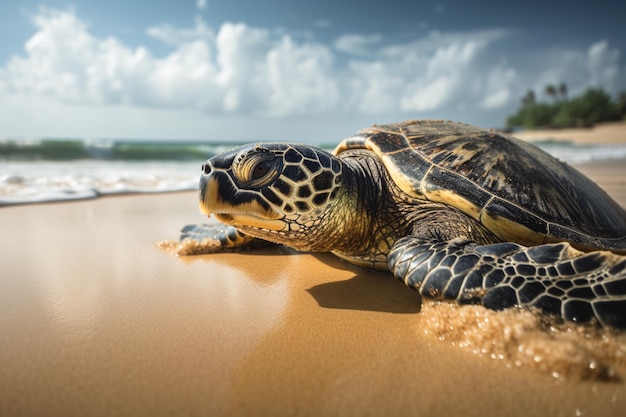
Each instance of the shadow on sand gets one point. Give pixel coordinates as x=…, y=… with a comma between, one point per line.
x=367, y=290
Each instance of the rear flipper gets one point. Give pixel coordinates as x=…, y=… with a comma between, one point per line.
x=554, y=278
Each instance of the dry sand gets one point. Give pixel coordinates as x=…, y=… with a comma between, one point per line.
x=604, y=133
x=95, y=320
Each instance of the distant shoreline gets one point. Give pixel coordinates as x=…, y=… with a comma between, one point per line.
x=603, y=133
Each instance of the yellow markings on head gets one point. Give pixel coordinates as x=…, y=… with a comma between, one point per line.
x=213, y=203
x=204, y=209
x=250, y=213
x=238, y=220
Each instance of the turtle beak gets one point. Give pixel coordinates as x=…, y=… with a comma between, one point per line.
x=211, y=195
x=216, y=191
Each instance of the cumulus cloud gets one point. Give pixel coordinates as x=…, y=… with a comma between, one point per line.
x=603, y=66
x=238, y=69
x=300, y=78
x=499, y=89
x=424, y=75
x=440, y=81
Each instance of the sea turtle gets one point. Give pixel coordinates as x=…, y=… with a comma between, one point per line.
x=454, y=211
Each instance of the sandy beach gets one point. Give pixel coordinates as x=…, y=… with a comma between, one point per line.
x=97, y=320
x=605, y=133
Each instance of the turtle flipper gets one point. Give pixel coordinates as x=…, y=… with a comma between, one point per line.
x=554, y=278
x=225, y=236
x=214, y=237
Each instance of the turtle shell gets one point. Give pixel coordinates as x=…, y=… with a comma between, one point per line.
x=514, y=189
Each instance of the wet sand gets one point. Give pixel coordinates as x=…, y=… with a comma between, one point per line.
x=96, y=320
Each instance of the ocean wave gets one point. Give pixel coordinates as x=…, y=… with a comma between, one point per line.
x=108, y=150
x=35, y=171
x=46, y=181
x=571, y=152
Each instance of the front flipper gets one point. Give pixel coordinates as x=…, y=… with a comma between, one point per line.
x=196, y=239
x=554, y=278
x=220, y=235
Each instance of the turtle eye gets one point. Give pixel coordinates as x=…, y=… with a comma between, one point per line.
x=256, y=169
x=261, y=169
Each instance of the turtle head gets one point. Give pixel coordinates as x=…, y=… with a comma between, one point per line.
x=274, y=191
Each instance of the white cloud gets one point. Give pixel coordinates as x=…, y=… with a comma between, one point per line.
x=300, y=78
x=179, y=79
x=499, y=88
x=439, y=71
x=237, y=70
x=171, y=35
x=372, y=87
x=603, y=66
x=201, y=4
x=241, y=53
x=442, y=78
x=56, y=57
x=241, y=70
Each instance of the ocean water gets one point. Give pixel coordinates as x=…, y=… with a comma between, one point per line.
x=44, y=170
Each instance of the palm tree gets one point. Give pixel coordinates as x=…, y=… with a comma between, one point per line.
x=563, y=91
x=551, y=91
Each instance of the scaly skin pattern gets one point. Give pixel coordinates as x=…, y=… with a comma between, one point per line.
x=553, y=278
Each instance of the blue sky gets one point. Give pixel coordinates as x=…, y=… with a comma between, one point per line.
x=286, y=70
